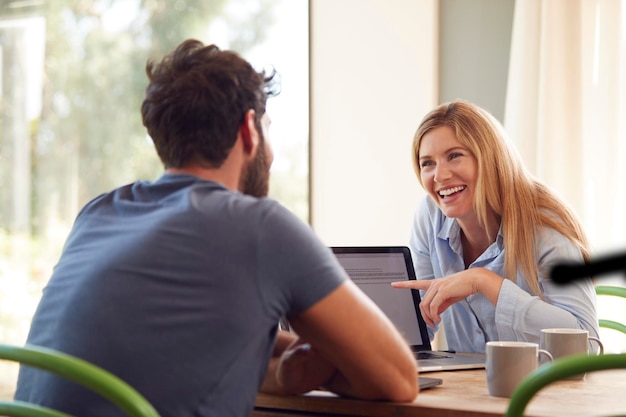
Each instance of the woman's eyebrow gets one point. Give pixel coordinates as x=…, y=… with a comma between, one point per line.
x=447, y=151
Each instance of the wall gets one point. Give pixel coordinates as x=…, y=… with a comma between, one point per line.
x=475, y=44
x=373, y=77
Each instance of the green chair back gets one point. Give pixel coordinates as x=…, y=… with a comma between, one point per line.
x=76, y=370
x=23, y=409
x=556, y=370
x=616, y=292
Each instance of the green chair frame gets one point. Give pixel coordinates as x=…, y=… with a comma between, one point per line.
x=24, y=409
x=556, y=370
x=617, y=292
x=75, y=369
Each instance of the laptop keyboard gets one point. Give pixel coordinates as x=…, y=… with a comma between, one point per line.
x=431, y=355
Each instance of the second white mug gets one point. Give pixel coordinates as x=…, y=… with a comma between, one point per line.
x=561, y=342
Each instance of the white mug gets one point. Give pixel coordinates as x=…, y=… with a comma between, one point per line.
x=566, y=342
x=508, y=363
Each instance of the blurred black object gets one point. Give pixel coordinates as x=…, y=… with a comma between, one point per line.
x=567, y=272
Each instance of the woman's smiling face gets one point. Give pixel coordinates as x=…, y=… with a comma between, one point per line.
x=449, y=172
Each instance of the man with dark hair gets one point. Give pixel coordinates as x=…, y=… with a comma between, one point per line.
x=177, y=285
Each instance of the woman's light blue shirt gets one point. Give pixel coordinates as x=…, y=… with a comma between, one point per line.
x=435, y=244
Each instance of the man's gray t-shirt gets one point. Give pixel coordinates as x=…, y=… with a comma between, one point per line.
x=176, y=287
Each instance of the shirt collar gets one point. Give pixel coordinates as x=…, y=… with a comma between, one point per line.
x=451, y=231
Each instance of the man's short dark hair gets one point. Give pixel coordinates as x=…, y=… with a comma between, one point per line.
x=196, y=100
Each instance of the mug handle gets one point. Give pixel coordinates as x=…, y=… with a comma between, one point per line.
x=600, y=345
x=547, y=354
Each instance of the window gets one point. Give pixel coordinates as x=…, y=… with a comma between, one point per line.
x=72, y=78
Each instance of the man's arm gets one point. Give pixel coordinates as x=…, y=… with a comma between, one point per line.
x=270, y=383
x=352, y=344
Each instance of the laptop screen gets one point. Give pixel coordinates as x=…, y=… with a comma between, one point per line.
x=373, y=269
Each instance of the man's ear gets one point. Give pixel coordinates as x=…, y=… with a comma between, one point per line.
x=248, y=132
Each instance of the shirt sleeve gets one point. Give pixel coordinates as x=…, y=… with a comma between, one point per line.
x=521, y=316
x=296, y=269
x=420, y=242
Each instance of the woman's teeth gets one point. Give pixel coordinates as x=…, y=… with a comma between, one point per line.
x=449, y=191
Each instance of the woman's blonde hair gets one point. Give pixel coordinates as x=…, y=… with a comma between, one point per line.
x=505, y=186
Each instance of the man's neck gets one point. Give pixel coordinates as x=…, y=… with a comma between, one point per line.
x=218, y=175
x=228, y=173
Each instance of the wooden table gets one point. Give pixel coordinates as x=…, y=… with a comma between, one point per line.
x=463, y=393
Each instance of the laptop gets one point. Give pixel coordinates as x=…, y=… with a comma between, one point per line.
x=373, y=269
x=427, y=382
x=423, y=381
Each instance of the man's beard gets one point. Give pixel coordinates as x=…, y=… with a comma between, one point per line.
x=255, y=178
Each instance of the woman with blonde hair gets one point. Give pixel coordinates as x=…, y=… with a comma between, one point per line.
x=487, y=235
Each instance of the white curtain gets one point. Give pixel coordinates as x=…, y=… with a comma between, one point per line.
x=566, y=107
